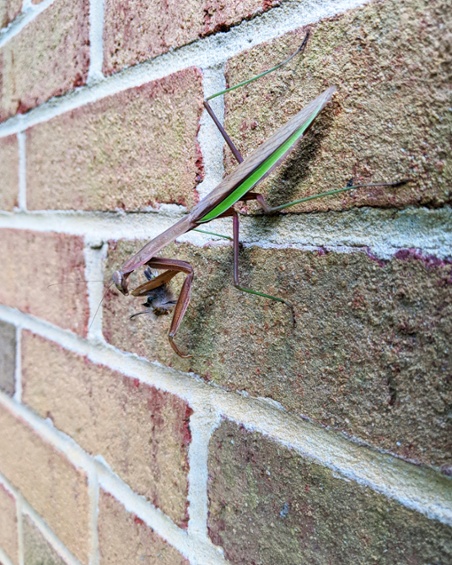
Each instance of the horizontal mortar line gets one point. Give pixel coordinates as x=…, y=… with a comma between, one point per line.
x=203, y=53
x=418, y=488
x=191, y=547
x=383, y=232
x=154, y=517
x=22, y=20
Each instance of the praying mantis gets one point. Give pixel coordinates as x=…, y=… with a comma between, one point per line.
x=220, y=202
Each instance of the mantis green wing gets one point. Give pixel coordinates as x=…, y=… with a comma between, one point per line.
x=247, y=174
x=260, y=163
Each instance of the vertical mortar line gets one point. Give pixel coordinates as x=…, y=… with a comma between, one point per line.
x=95, y=254
x=22, y=196
x=96, y=29
x=20, y=529
x=209, y=138
x=18, y=367
x=204, y=420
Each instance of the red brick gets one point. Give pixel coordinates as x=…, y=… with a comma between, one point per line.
x=48, y=481
x=9, y=172
x=9, y=10
x=142, y=433
x=48, y=58
x=31, y=262
x=131, y=150
x=36, y=548
x=269, y=505
x=390, y=116
x=368, y=355
x=7, y=358
x=9, y=537
x=124, y=538
x=137, y=31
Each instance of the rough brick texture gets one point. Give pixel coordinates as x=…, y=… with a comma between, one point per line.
x=124, y=420
x=269, y=505
x=31, y=261
x=9, y=537
x=137, y=31
x=48, y=58
x=390, y=116
x=7, y=358
x=124, y=538
x=37, y=550
x=53, y=486
x=368, y=355
x=9, y=10
x=9, y=172
x=131, y=150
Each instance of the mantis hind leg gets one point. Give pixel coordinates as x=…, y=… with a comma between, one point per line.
x=267, y=209
x=172, y=268
x=235, y=219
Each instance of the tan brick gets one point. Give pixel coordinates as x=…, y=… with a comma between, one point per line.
x=390, y=116
x=9, y=537
x=9, y=10
x=131, y=150
x=7, y=358
x=48, y=58
x=368, y=355
x=31, y=262
x=269, y=505
x=124, y=538
x=137, y=31
x=53, y=486
x=37, y=550
x=142, y=433
x=9, y=172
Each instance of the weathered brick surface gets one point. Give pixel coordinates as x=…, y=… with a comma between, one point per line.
x=269, y=505
x=53, y=486
x=9, y=172
x=369, y=354
x=131, y=150
x=9, y=536
x=37, y=550
x=390, y=116
x=9, y=10
x=48, y=58
x=7, y=358
x=124, y=538
x=31, y=261
x=142, y=433
x=137, y=31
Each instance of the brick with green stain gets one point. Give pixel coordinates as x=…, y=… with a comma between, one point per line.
x=131, y=150
x=37, y=550
x=9, y=172
x=7, y=358
x=267, y=504
x=369, y=354
x=390, y=117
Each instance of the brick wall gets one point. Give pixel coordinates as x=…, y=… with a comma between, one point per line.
x=325, y=442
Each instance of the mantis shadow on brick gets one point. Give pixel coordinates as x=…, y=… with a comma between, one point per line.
x=236, y=187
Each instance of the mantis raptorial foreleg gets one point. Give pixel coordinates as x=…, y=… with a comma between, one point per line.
x=172, y=268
